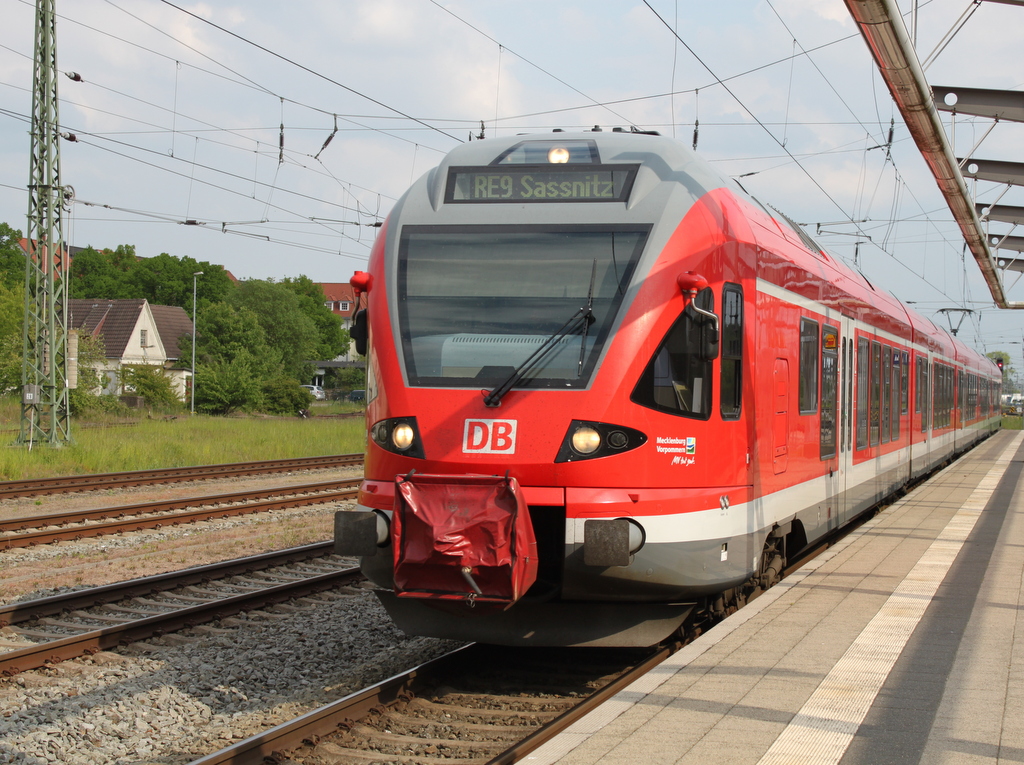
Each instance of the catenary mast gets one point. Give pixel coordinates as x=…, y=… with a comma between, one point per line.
x=44, y=411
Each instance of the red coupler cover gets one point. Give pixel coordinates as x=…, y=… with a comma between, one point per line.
x=459, y=537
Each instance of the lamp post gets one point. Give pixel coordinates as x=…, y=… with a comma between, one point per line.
x=194, y=279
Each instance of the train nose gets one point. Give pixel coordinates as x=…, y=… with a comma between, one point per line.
x=611, y=542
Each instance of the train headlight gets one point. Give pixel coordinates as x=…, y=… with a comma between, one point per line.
x=586, y=440
x=398, y=435
x=402, y=436
x=558, y=155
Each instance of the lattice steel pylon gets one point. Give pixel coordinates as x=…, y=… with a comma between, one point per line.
x=45, y=418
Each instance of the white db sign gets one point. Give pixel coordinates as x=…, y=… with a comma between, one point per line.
x=489, y=437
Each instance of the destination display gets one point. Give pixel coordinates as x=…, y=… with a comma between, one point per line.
x=540, y=183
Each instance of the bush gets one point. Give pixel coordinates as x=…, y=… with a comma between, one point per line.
x=83, y=403
x=227, y=386
x=152, y=384
x=284, y=396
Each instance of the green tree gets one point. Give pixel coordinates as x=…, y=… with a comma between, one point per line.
x=163, y=280
x=289, y=331
x=167, y=280
x=104, y=274
x=12, y=317
x=12, y=257
x=333, y=338
x=225, y=331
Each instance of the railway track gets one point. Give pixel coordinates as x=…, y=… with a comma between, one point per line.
x=39, y=486
x=86, y=621
x=467, y=707
x=79, y=524
x=479, y=704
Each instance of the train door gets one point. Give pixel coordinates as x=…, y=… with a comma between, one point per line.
x=828, y=436
x=844, y=458
x=780, y=425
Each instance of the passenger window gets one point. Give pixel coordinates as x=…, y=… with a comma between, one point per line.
x=732, y=351
x=899, y=405
x=886, y=392
x=876, y=390
x=677, y=379
x=808, y=366
x=829, y=382
x=863, y=365
x=845, y=405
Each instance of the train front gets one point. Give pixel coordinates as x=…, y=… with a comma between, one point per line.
x=516, y=300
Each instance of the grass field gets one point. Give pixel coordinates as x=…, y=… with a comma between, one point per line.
x=108, y=446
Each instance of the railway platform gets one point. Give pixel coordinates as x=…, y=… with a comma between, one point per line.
x=903, y=643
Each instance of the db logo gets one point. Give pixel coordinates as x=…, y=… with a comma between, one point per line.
x=489, y=437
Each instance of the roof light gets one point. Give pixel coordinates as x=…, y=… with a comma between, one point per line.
x=558, y=155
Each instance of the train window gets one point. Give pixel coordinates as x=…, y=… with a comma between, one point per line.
x=732, y=351
x=475, y=302
x=922, y=392
x=678, y=378
x=829, y=380
x=876, y=391
x=886, y=393
x=849, y=395
x=844, y=405
x=919, y=378
x=904, y=382
x=897, y=393
x=863, y=365
x=941, y=398
x=808, y=366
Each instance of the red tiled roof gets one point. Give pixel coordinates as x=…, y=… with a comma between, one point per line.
x=171, y=323
x=338, y=291
x=115, y=320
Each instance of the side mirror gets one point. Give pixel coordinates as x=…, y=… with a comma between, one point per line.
x=360, y=332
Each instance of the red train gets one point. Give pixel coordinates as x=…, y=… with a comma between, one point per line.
x=606, y=386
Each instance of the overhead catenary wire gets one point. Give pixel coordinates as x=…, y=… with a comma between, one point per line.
x=308, y=70
x=507, y=125
x=757, y=120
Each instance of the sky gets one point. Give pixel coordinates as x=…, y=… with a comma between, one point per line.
x=183, y=107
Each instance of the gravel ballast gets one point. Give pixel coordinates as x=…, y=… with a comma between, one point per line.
x=177, y=698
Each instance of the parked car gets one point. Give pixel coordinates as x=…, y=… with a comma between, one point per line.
x=317, y=391
x=357, y=395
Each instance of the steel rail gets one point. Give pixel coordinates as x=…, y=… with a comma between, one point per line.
x=39, y=486
x=15, y=613
x=331, y=491
x=163, y=505
x=31, y=657
x=321, y=722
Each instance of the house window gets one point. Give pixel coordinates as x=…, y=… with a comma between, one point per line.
x=143, y=336
x=343, y=305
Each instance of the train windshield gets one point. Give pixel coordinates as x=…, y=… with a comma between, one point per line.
x=475, y=302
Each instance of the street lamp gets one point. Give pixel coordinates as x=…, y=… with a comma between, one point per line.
x=194, y=279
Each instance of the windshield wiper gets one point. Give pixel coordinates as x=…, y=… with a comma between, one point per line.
x=582, y=319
